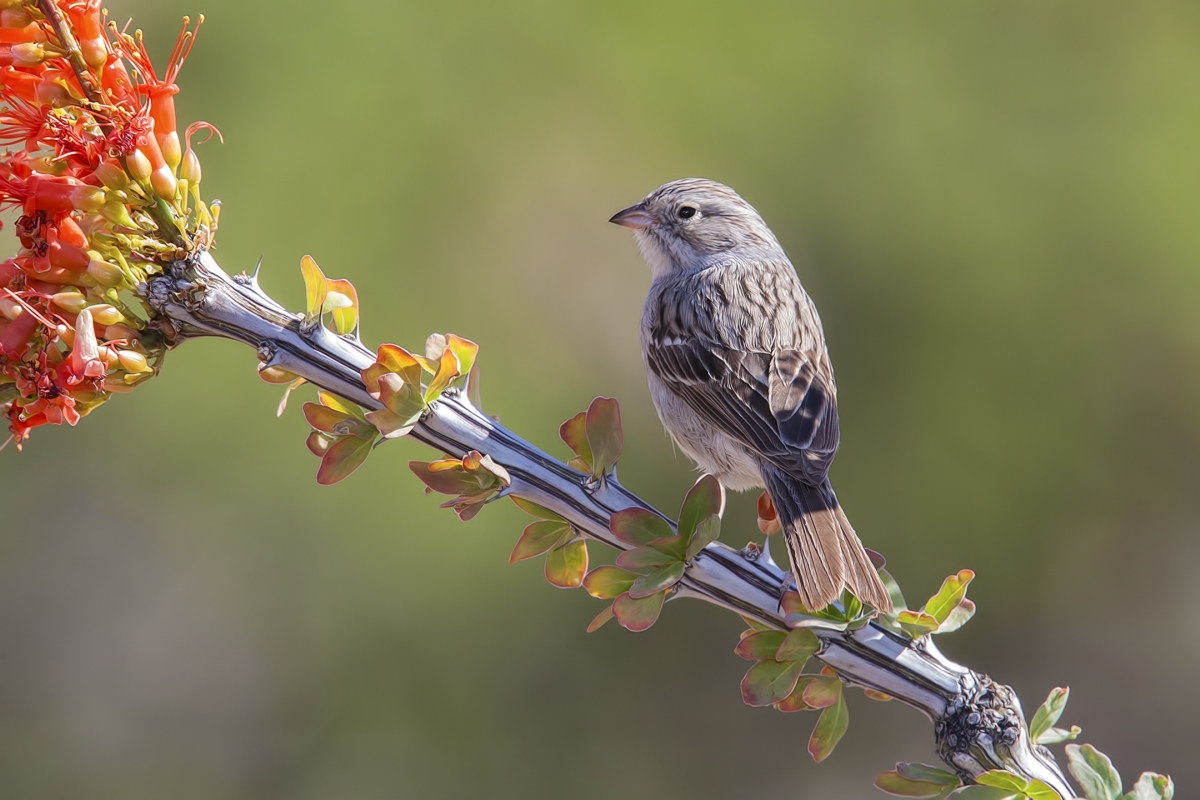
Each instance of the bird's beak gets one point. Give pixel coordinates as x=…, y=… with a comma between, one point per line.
x=635, y=217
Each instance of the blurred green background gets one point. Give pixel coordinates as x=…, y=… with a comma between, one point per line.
x=994, y=205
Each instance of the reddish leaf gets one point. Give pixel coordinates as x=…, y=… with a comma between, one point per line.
x=795, y=701
x=705, y=499
x=608, y=583
x=638, y=614
x=317, y=443
x=342, y=458
x=330, y=420
x=538, y=538
x=574, y=433
x=673, y=546
x=769, y=682
x=759, y=646
x=601, y=619
x=877, y=696
x=637, y=526
x=829, y=731
x=823, y=691
x=566, y=565
x=791, y=604
x=662, y=578
x=445, y=476
x=345, y=315
x=447, y=370
x=604, y=434
x=464, y=350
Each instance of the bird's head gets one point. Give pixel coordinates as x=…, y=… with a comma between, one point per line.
x=695, y=223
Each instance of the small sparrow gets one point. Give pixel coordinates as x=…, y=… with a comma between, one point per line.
x=740, y=374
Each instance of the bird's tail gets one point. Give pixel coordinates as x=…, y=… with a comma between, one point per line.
x=825, y=552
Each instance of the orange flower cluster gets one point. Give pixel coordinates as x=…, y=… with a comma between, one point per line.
x=105, y=197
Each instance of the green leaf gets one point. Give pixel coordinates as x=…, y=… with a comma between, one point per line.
x=315, y=286
x=917, y=623
x=977, y=792
x=799, y=645
x=953, y=590
x=566, y=565
x=896, y=784
x=342, y=458
x=390, y=424
x=601, y=620
x=574, y=433
x=445, y=476
x=394, y=359
x=1003, y=779
x=464, y=350
x=823, y=691
x=924, y=772
x=830, y=728
x=608, y=583
x=708, y=530
x=1048, y=713
x=1093, y=772
x=637, y=526
x=795, y=701
x=673, y=546
x=638, y=614
x=1152, y=786
x=894, y=592
x=538, y=538
x=759, y=646
x=769, y=682
x=1058, y=735
x=533, y=509
x=662, y=578
x=705, y=499
x=960, y=616
x=604, y=434
x=647, y=556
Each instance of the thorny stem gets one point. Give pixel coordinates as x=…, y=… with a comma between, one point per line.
x=978, y=724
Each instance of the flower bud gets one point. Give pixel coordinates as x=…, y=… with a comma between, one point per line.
x=118, y=332
x=169, y=144
x=95, y=52
x=190, y=171
x=88, y=198
x=105, y=314
x=115, y=212
x=10, y=308
x=112, y=176
x=106, y=274
x=138, y=166
x=71, y=302
x=132, y=361
x=67, y=334
x=162, y=180
x=28, y=54
x=14, y=17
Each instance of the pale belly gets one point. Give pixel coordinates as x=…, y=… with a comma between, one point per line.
x=711, y=449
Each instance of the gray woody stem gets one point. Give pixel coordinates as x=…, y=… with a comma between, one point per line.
x=978, y=724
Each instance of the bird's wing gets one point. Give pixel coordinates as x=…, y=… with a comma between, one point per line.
x=780, y=404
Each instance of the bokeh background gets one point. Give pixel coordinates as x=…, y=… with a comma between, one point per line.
x=994, y=205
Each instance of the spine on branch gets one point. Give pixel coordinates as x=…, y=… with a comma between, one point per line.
x=979, y=725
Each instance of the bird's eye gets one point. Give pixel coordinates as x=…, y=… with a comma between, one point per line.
x=686, y=212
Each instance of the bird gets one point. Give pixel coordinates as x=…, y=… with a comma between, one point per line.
x=740, y=375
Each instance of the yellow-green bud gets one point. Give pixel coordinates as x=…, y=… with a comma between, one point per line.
x=190, y=170
x=133, y=361
x=138, y=166
x=113, y=176
x=71, y=302
x=106, y=314
x=106, y=274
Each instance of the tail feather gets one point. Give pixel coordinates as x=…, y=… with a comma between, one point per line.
x=826, y=554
